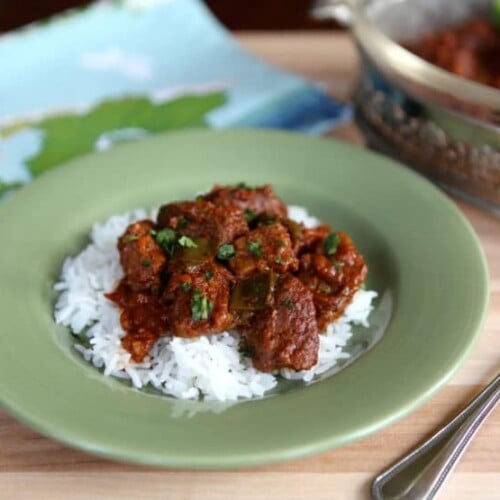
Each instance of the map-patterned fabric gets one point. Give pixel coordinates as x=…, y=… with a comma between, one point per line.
x=122, y=70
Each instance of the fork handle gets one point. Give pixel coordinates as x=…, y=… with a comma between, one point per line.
x=426, y=484
x=434, y=475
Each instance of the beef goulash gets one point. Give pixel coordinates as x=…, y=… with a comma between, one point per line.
x=232, y=260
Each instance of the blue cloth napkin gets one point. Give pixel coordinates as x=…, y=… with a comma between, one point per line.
x=117, y=71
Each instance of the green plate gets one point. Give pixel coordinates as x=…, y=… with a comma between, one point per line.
x=422, y=254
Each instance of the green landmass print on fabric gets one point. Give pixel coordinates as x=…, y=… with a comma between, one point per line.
x=68, y=135
x=5, y=187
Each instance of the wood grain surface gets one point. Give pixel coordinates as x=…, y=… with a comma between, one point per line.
x=34, y=467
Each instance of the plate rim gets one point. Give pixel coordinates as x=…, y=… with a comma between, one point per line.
x=281, y=454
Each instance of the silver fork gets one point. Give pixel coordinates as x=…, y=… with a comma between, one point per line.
x=421, y=473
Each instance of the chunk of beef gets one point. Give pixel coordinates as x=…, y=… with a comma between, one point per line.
x=285, y=334
x=257, y=200
x=141, y=258
x=266, y=247
x=202, y=218
x=303, y=239
x=334, y=278
x=306, y=239
x=197, y=300
x=139, y=345
x=143, y=318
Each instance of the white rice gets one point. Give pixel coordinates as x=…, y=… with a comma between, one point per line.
x=209, y=367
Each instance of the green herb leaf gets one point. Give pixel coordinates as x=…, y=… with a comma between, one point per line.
x=250, y=215
x=201, y=307
x=186, y=242
x=279, y=260
x=331, y=243
x=496, y=13
x=243, y=185
x=183, y=223
x=185, y=286
x=287, y=303
x=146, y=262
x=166, y=238
x=254, y=248
x=226, y=252
x=129, y=238
x=209, y=275
x=269, y=221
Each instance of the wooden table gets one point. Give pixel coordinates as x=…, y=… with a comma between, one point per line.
x=32, y=466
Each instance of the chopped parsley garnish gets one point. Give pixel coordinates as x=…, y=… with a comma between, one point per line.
x=166, y=238
x=209, y=275
x=201, y=307
x=281, y=244
x=250, y=215
x=146, y=262
x=183, y=223
x=153, y=233
x=185, y=286
x=269, y=221
x=287, y=303
x=254, y=248
x=331, y=243
x=226, y=252
x=186, y=242
x=279, y=260
x=496, y=14
x=129, y=238
x=243, y=185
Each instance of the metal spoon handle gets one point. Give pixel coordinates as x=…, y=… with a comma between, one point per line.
x=405, y=484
